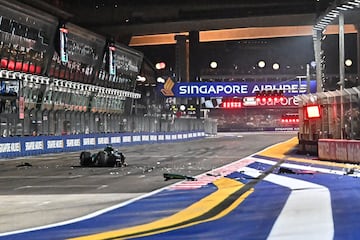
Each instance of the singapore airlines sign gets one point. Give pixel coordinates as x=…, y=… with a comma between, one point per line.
x=213, y=89
x=232, y=89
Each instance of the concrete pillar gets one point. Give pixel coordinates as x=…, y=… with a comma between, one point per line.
x=341, y=51
x=358, y=49
x=181, y=62
x=181, y=59
x=341, y=69
x=194, y=56
x=319, y=70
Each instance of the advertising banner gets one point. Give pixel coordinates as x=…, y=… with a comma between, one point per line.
x=233, y=89
x=27, y=146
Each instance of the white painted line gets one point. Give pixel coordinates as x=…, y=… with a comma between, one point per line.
x=40, y=177
x=163, y=157
x=181, y=187
x=61, y=186
x=307, y=213
x=304, y=167
x=244, y=161
x=88, y=216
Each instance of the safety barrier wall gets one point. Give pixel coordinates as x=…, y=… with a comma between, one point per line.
x=339, y=150
x=27, y=146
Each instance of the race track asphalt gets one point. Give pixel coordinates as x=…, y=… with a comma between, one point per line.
x=55, y=188
x=270, y=192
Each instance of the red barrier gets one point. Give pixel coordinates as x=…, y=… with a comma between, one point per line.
x=353, y=151
x=339, y=150
x=326, y=149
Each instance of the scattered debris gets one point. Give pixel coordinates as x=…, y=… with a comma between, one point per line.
x=148, y=169
x=25, y=164
x=349, y=171
x=354, y=172
x=284, y=170
x=169, y=176
x=213, y=175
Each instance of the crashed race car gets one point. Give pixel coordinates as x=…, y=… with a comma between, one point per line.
x=109, y=157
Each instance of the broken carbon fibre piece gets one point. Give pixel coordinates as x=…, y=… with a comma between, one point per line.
x=169, y=176
x=284, y=170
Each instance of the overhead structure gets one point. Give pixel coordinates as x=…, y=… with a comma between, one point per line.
x=333, y=12
x=334, y=15
x=125, y=20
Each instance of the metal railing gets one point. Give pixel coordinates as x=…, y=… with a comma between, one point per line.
x=340, y=115
x=62, y=122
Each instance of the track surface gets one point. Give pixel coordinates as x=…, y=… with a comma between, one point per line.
x=55, y=188
x=249, y=198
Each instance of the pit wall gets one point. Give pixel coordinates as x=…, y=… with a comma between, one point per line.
x=339, y=150
x=27, y=146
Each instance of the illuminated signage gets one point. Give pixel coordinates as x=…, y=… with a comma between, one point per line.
x=284, y=101
x=233, y=89
x=249, y=102
x=312, y=111
x=231, y=103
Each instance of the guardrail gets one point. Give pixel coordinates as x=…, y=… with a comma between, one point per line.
x=27, y=146
x=339, y=150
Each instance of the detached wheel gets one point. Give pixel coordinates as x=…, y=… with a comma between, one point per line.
x=101, y=159
x=85, y=159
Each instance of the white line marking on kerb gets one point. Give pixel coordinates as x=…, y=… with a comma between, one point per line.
x=307, y=213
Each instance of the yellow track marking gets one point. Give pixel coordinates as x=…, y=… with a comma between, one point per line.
x=225, y=186
x=280, y=151
x=220, y=215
